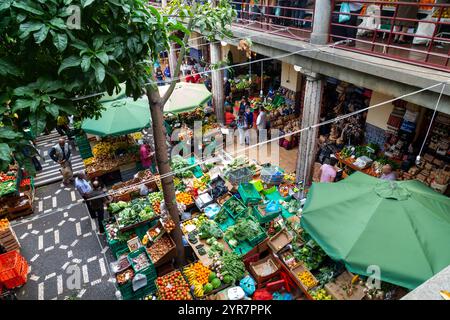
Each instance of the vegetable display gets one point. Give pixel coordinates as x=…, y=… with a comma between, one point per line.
x=222, y=216
x=160, y=248
x=115, y=207
x=7, y=187
x=311, y=254
x=5, y=177
x=209, y=229
x=124, y=276
x=228, y=267
x=140, y=262
x=244, y=229
x=173, y=287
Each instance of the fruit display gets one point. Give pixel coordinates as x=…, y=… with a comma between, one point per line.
x=200, y=184
x=307, y=279
x=124, y=276
x=160, y=248
x=197, y=275
x=106, y=165
x=25, y=182
x=140, y=262
x=4, y=224
x=155, y=197
x=156, y=206
x=5, y=177
x=184, y=198
x=173, y=287
x=320, y=294
x=200, y=220
x=89, y=161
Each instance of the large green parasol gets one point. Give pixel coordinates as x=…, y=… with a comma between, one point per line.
x=401, y=227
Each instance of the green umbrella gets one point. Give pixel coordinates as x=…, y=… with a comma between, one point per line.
x=186, y=97
x=401, y=227
x=120, y=117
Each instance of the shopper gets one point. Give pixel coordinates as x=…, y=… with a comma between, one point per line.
x=249, y=120
x=62, y=125
x=228, y=102
x=405, y=12
x=243, y=104
x=242, y=127
x=146, y=155
x=97, y=200
x=388, y=173
x=189, y=78
x=227, y=87
x=229, y=117
x=61, y=154
x=196, y=76
x=328, y=172
x=261, y=123
x=84, y=188
x=348, y=33
x=167, y=74
x=159, y=77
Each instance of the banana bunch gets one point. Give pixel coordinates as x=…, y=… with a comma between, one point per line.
x=198, y=289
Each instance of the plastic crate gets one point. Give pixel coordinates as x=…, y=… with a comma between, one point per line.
x=122, y=251
x=137, y=253
x=197, y=171
x=264, y=218
x=249, y=194
x=258, y=238
x=10, y=265
x=272, y=175
x=233, y=214
x=240, y=175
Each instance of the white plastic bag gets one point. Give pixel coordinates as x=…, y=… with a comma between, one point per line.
x=424, y=29
x=372, y=22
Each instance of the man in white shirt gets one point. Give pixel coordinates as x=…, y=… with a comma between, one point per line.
x=261, y=124
x=84, y=188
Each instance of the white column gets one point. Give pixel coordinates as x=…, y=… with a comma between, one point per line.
x=308, y=138
x=321, y=23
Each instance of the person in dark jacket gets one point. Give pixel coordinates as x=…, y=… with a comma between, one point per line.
x=97, y=201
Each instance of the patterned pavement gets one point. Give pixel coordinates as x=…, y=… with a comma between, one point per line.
x=61, y=244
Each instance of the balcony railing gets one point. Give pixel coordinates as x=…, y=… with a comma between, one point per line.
x=423, y=28
x=289, y=18
x=412, y=32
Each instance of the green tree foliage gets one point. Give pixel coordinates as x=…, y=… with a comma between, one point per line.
x=47, y=60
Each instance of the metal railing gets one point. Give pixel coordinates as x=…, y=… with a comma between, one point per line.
x=293, y=18
x=412, y=32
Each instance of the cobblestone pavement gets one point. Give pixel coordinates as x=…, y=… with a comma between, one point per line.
x=60, y=242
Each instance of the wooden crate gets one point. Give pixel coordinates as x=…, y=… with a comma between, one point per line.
x=280, y=240
x=19, y=214
x=335, y=289
x=9, y=239
x=257, y=267
x=299, y=268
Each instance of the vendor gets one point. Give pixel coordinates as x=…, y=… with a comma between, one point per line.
x=146, y=155
x=388, y=173
x=328, y=172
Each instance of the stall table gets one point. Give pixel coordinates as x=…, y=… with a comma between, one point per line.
x=346, y=163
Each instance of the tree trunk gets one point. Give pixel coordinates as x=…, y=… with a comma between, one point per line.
x=162, y=161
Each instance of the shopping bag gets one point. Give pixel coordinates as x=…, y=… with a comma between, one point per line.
x=345, y=8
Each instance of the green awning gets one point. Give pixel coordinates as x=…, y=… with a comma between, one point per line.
x=401, y=227
x=121, y=117
x=186, y=97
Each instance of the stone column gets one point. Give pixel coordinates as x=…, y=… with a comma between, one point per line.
x=321, y=24
x=308, y=138
x=217, y=79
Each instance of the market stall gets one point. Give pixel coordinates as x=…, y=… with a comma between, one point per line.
x=16, y=193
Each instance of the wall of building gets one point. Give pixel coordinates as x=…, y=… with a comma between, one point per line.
x=380, y=115
x=238, y=56
x=290, y=78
